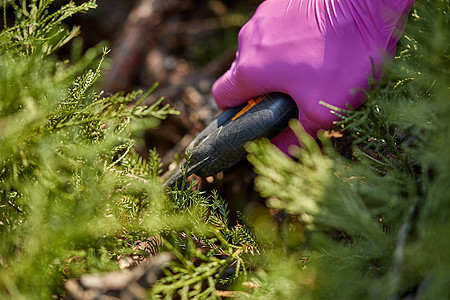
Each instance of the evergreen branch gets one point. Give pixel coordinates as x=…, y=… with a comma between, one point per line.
x=395, y=272
x=65, y=11
x=201, y=273
x=63, y=40
x=5, y=24
x=212, y=269
x=34, y=28
x=121, y=157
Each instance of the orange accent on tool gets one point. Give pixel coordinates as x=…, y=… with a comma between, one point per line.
x=250, y=104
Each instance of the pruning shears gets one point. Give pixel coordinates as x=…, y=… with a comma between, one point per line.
x=222, y=143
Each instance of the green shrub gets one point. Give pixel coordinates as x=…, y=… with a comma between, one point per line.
x=75, y=196
x=61, y=144
x=376, y=225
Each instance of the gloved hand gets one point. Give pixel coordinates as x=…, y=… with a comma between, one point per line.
x=314, y=51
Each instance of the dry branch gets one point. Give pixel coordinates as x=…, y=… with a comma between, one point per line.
x=127, y=285
x=131, y=45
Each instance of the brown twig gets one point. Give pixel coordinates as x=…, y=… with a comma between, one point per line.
x=130, y=285
x=129, y=48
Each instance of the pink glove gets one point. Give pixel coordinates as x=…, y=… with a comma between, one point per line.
x=313, y=50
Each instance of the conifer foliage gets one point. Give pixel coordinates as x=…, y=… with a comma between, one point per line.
x=74, y=193
x=75, y=196
x=61, y=143
x=375, y=225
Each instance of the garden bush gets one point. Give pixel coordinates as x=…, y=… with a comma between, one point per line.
x=75, y=195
